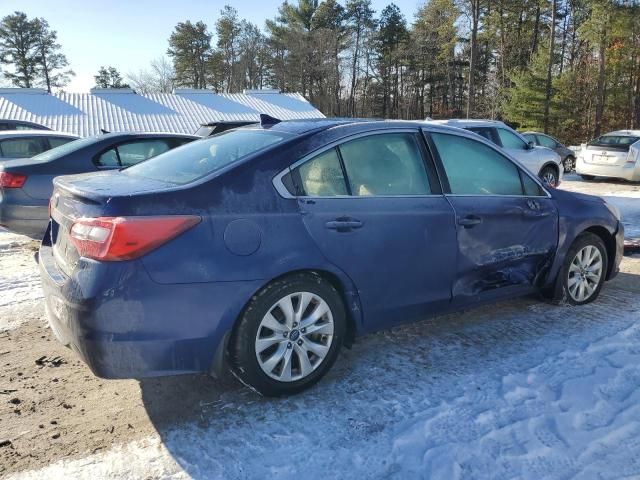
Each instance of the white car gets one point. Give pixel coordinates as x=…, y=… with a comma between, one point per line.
x=541, y=161
x=615, y=154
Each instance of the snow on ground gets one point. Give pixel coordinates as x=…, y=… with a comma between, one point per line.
x=19, y=279
x=622, y=194
x=522, y=389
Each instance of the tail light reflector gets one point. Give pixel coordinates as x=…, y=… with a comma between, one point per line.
x=126, y=238
x=12, y=180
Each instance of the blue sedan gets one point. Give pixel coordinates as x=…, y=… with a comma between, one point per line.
x=267, y=248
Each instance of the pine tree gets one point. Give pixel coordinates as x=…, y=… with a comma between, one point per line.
x=51, y=62
x=18, y=49
x=109, y=77
x=190, y=49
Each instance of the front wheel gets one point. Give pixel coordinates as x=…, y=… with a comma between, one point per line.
x=289, y=335
x=549, y=175
x=584, y=269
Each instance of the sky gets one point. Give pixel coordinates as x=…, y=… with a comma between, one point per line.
x=129, y=34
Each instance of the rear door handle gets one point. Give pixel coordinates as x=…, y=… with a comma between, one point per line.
x=469, y=221
x=343, y=224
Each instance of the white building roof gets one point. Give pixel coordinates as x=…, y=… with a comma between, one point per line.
x=117, y=110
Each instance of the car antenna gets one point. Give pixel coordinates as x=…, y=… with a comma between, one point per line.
x=102, y=130
x=268, y=120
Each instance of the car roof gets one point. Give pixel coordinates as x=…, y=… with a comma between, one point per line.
x=145, y=135
x=468, y=122
x=33, y=133
x=624, y=133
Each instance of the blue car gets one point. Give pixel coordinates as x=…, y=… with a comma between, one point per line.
x=269, y=247
x=26, y=184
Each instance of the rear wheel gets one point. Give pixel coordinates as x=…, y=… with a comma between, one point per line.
x=289, y=335
x=569, y=164
x=549, y=175
x=584, y=269
x=587, y=177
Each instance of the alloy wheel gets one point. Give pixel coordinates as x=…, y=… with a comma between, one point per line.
x=585, y=273
x=550, y=178
x=294, y=336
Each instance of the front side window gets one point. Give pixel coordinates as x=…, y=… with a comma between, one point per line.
x=546, y=141
x=476, y=169
x=511, y=140
x=203, y=157
x=385, y=164
x=21, y=147
x=322, y=176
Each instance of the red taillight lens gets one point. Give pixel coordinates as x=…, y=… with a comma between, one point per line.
x=12, y=180
x=125, y=238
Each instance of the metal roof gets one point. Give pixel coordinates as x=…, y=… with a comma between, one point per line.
x=124, y=110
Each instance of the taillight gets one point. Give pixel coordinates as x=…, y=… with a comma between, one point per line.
x=12, y=180
x=125, y=238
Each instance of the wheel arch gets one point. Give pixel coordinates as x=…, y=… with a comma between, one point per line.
x=551, y=164
x=343, y=285
x=609, y=241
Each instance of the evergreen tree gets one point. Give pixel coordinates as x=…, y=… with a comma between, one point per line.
x=51, y=62
x=109, y=77
x=19, y=49
x=190, y=49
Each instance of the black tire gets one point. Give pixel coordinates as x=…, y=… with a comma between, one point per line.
x=588, y=178
x=562, y=289
x=569, y=164
x=549, y=175
x=242, y=350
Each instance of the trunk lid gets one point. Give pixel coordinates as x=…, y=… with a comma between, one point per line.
x=599, y=155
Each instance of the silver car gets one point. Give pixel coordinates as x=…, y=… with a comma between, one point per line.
x=541, y=161
x=615, y=154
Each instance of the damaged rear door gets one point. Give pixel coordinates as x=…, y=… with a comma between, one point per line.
x=507, y=226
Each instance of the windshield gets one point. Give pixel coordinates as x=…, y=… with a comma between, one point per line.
x=614, y=141
x=67, y=148
x=202, y=157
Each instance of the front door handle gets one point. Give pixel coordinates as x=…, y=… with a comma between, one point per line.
x=343, y=224
x=469, y=221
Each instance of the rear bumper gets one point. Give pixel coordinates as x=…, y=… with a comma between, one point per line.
x=30, y=220
x=629, y=172
x=124, y=325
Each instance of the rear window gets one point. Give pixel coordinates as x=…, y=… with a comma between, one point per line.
x=67, y=148
x=203, y=157
x=614, y=141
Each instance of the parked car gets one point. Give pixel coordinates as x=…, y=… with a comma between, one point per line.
x=615, y=154
x=7, y=124
x=567, y=155
x=269, y=247
x=26, y=185
x=29, y=143
x=539, y=160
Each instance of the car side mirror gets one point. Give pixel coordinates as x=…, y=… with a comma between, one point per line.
x=530, y=145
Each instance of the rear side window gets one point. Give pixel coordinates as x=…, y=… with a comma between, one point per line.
x=203, y=157
x=136, y=152
x=385, y=164
x=322, y=176
x=510, y=139
x=21, y=147
x=473, y=168
x=57, y=141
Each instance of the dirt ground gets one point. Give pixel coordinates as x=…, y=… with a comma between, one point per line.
x=52, y=407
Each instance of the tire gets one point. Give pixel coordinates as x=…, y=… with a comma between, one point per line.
x=549, y=175
x=588, y=178
x=569, y=164
x=570, y=277
x=271, y=360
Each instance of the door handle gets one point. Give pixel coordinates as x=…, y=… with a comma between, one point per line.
x=343, y=224
x=469, y=221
